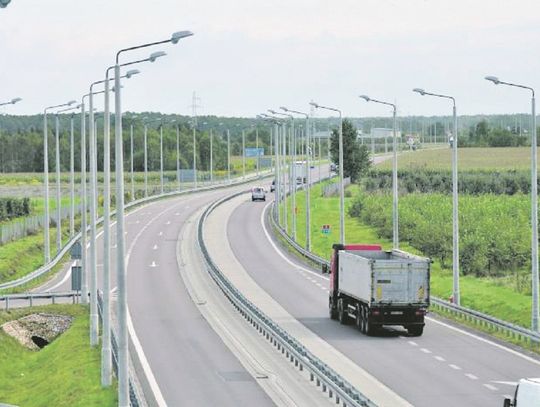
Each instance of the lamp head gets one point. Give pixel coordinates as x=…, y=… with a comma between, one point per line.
x=418, y=90
x=71, y=102
x=15, y=100
x=132, y=72
x=272, y=111
x=177, y=36
x=284, y=108
x=315, y=105
x=365, y=97
x=155, y=55
x=493, y=79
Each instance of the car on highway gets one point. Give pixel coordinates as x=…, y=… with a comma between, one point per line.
x=258, y=194
x=273, y=186
x=527, y=394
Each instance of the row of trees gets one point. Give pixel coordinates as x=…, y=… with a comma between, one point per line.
x=484, y=135
x=22, y=151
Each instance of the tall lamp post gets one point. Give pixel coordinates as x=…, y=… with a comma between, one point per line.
x=341, y=181
x=395, y=214
x=308, y=179
x=71, y=170
x=534, y=201
x=455, y=226
x=123, y=385
x=46, y=178
x=106, y=353
x=277, y=167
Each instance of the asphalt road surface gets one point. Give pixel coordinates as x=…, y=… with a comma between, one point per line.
x=447, y=366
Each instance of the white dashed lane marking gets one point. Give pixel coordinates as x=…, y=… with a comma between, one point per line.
x=425, y=350
x=490, y=387
x=471, y=376
x=455, y=367
x=440, y=358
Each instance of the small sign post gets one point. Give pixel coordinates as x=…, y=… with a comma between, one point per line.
x=76, y=251
x=326, y=230
x=76, y=278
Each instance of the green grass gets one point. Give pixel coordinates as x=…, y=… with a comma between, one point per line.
x=22, y=256
x=64, y=373
x=501, y=158
x=482, y=294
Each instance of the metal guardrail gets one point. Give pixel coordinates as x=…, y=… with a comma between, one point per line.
x=324, y=376
x=7, y=299
x=136, y=394
x=469, y=315
x=49, y=266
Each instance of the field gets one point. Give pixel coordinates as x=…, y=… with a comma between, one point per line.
x=518, y=158
x=64, y=373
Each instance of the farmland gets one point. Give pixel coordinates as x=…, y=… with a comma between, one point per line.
x=496, y=159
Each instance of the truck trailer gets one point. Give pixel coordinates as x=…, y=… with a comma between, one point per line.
x=372, y=287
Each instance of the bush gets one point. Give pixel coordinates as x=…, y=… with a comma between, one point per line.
x=14, y=207
x=440, y=181
x=494, y=230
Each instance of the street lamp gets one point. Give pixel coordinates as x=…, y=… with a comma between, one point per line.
x=46, y=178
x=284, y=171
x=12, y=101
x=292, y=171
x=71, y=170
x=308, y=179
x=395, y=214
x=123, y=385
x=93, y=204
x=534, y=202
x=341, y=180
x=277, y=167
x=455, y=220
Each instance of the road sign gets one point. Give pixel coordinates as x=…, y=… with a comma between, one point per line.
x=76, y=251
x=76, y=278
x=326, y=229
x=254, y=152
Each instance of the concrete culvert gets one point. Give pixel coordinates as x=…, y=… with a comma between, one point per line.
x=39, y=341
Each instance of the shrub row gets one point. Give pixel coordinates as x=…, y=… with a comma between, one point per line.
x=14, y=207
x=440, y=181
x=494, y=230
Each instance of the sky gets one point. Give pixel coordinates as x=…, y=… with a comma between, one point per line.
x=248, y=56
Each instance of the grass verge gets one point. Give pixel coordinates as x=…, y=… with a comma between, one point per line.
x=64, y=373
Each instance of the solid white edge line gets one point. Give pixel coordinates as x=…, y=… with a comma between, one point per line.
x=154, y=386
x=479, y=338
x=68, y=274
x=268, y=237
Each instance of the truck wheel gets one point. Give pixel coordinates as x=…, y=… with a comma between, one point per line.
x=369, y=328
x=332, y=310
x=342, y=316
x=415, y=330
x=359, y=321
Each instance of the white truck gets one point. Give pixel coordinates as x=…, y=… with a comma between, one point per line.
x=373, y=287
x=299, y=171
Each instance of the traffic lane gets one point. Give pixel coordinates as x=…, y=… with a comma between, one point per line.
x=189, y=360
x=457, y=368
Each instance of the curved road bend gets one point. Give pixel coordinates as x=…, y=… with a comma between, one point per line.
x=444, y=367
x=188, y=359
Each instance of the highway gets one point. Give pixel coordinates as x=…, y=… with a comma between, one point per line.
x=447, y=366
x=191, y=346
x=190, y=363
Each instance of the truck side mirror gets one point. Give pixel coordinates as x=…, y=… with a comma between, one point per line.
x=324, y=268
x=507, y=402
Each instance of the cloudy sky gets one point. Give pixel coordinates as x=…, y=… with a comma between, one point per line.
x=251, y=55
